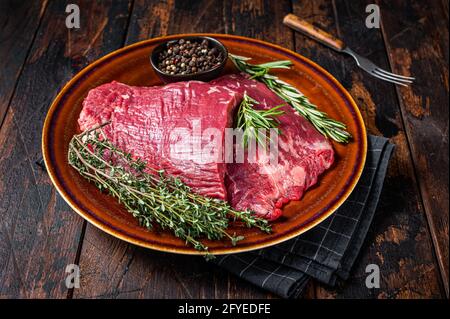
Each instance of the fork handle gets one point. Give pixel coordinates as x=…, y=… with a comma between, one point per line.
x=298, y=24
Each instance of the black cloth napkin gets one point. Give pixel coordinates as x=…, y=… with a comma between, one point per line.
x=326, y=252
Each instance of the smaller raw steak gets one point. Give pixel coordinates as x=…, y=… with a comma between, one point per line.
x=179, y=127
x=303, y=154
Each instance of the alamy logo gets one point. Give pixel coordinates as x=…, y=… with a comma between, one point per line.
x=211, y=145
x=73, y=279
x=373, y=279
x=373, y=19
x=73, y=19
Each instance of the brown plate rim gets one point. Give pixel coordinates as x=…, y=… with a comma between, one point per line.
x=128, y=237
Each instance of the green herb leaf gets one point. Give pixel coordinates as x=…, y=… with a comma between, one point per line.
x=320, y=120
x=251, y=120
x=153, y=197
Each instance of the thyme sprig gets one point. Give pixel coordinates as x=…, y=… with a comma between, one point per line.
x=154, y=197
x=320, y=120
x=249, y=120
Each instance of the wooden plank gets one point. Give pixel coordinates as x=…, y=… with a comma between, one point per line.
x=114, y=269
x=445, y=10
x=19, y=21
x=39, y=233
x=399, y=241
x=417, y=42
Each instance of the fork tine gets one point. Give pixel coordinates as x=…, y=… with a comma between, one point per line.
x=392, y=77
x=376, y=71
x=395, y=75
x=386, y=79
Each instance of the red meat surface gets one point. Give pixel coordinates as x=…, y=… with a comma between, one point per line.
x=180, y=128
x=303, y=154
x=168, y=127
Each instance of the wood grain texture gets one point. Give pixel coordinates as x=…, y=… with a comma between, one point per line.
x=19, y=22
x=114, y=269
x=417, y=42
x=39, y=234
x=399, y=240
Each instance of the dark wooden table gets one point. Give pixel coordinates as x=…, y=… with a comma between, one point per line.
x=40, y=235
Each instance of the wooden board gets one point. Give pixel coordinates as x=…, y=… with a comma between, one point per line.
x=18, y=33
x=406, y=264
x=39, y=235
x=417, y=42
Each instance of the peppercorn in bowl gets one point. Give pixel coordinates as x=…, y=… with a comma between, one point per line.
x=190, y=58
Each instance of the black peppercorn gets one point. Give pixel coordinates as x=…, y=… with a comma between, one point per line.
x=187, y=57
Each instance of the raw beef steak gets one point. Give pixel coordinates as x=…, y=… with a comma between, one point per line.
x=178, y=127
x=303, y=154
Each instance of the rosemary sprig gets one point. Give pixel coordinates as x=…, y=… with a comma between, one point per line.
x=154, y=197
x=325, y=125
x=250, y=120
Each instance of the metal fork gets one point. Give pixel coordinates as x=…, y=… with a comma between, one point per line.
x=327, y=39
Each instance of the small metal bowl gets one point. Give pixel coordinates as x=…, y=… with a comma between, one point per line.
x=205, y=76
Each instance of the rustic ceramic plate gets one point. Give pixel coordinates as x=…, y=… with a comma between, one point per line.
x=131, y=65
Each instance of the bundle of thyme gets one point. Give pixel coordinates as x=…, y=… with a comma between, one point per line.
x=250, y=119
x=325, y=125
x=151, y=196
